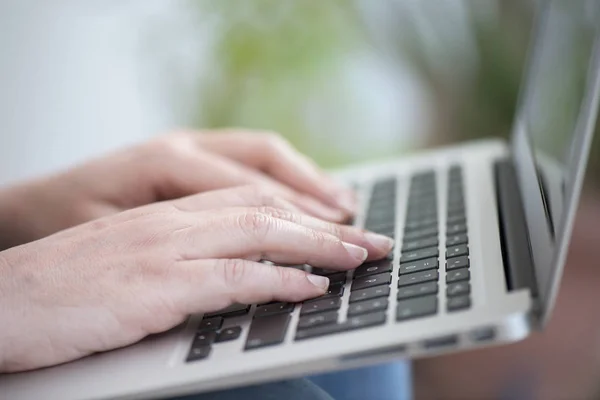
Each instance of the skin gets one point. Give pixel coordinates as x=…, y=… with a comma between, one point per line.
x=122, y=275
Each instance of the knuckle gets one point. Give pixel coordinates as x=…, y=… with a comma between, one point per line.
x=276, y=212
x=232, y=271
x=320, y=239
x=255, y=224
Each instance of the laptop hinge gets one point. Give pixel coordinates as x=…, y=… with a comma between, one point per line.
x=516, y=249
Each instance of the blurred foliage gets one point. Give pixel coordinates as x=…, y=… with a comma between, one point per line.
x=273, y=56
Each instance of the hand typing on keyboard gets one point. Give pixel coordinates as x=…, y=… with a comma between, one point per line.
x=112, y=281
x=167, y=168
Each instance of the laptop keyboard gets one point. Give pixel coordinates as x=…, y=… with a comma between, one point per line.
x=369, y=285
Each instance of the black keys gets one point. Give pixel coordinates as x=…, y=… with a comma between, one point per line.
x=233, y=310
x=332, y=303
x=368, y=306
x=309, y=321
x=228, y=334
x=373, y=268
x=198, y=353
x=457, y=275
x=201, y=346
x=458, y=303
x=457, y=251
x=324, y=272
x=205, y=338
x=369, y=293
x=454, y=240
x=458, y=289
x=422, y=289
x=273, y=308
x=352, y=323
x=420, y=244
x=418, y=277
x=420, y=223
x=417, y=307
x=267, y=331
x=420, y=265
x=335, y=290
x=340, y=277
x=370, y=281
x=457, y=262
x=210, y=324
x=419, y=254
x=421, y=233
x=453, y=229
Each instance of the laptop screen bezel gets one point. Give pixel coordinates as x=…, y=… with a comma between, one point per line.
x=549, y=251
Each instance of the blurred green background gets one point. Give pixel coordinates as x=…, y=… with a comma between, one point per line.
x=348, y=81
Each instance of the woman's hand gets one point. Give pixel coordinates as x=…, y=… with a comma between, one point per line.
x=170, y=167
x=110, y=282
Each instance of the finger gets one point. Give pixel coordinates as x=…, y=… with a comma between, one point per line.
x=243, y=233
x=229, y=281
x=378, y=246
x=240, y=196
x=200, y=171
x=276, y=157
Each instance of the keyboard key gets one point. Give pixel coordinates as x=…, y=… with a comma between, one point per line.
x=458, y=289
x=231, y=311
x=340, y=277
x=198, y=353
x=456, y=219
x=417, y=290
x=369, y=293
x=204, y=338
x=318, y=331
x=370, y=281
x=335, y=290
x=418, y=224
x=420, y=265
x=313, y=307
x=274, y=308
x=421, y=233
x=417, y=307
x=457, y=275
x=229, y=334
x=323, y=272
x=368, y=306
x=210, y=324
x=309, y=321
x=419, y=254
x=267, y=331
x=352, y=323
x=457, y=251
x=364, y=321
x=373, y=268
x=418, y=277
x=453, y=229
x=457, y=262
x=458, y=303
x=420, y=244
x=457, y=239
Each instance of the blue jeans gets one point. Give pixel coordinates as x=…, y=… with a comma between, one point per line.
x=382, y=382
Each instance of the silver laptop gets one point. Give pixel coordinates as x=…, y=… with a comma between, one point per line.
x=482, y=232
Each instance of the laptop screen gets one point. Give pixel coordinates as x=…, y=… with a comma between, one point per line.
x=553, y=129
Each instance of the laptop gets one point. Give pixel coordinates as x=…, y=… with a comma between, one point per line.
x=482, y=231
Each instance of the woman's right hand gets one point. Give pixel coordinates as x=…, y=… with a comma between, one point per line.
x=113, y=281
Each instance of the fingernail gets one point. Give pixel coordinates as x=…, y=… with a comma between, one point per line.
x=379, y=241
x=322, y=282
x=359, y=253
